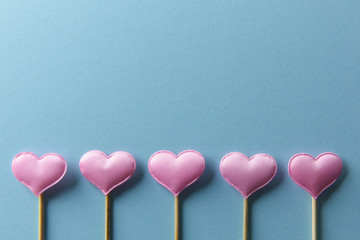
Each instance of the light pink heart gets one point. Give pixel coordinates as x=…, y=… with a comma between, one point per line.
x=176, y=172
x=247, y=175
x=38, y=174
x=315, y=175
x=107, y=172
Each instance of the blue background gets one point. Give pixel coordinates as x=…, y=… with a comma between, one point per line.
x=278, y=77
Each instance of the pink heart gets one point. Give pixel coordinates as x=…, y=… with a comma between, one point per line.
x=247, y=175
x=107, y=172
x=176, y=172
x=38, y=174
x=315, y=175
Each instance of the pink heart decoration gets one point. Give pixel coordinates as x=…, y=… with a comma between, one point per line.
x=107, y=172
x=247, y=175
x=315, y=175
x=38, y=174
x=176, y=172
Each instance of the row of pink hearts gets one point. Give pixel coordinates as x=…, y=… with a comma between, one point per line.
x=176, y=172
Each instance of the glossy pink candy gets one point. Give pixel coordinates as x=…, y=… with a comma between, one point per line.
x=315, y=175
x=176, y=172
x=107, y=172
x=247, y=175
x=38, y=174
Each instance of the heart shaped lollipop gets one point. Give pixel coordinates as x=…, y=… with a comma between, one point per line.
x=107, y=172
x=38, y=174
x=247, y=175
x=315, y=174
x=176, y=172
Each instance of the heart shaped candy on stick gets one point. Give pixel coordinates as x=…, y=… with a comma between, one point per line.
x=315, y=175
x=39, y=174
x=106, y=173
x=247, y=175
x=176, y=172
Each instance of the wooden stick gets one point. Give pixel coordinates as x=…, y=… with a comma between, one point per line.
x=245, y=219
x=314, y=218
x=41, y=217
x=107, y=217
x=177, y=218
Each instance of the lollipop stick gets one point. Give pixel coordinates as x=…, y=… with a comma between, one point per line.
x=176, y=218
x=107, y=217
x=245, y=219
x=41, y=217
x=314, y=227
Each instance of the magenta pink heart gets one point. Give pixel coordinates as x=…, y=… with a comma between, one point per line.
x=315, y=175
x=107, y=172
x=176, y=172
x=247, y=175
x=38, y=174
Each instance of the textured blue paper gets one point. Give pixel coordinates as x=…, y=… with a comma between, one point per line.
x=278, y=77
